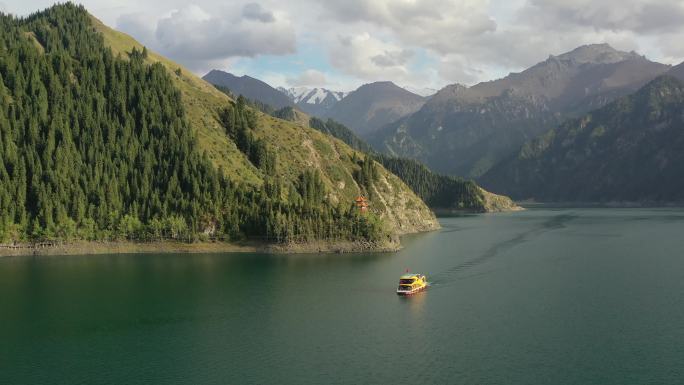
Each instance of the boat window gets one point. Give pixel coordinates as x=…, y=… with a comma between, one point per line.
x=406, y=281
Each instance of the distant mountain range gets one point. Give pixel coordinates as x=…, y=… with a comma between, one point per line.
x=594, y=125
x=467, y=130
x=249, y=87
x=364, y=110
x=631, y=150
x=373, y=106
x=444, y=193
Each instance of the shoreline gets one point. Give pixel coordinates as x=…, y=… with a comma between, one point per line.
x=601, y=205
x=448, y=212
x=445, y=213
x=165, y=247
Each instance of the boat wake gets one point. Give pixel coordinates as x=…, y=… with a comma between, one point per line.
x=451, y=275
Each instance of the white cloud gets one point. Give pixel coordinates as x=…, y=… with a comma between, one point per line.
x=392, y=58
x=308, y=78
x=672, y=47
x=456, y=69
x=475, y=40
x=367, y=57
x=196, y=37
x=411, y=42
x=440, y=25
x=253, y=11
x=138, y=26
x=648, y=27
x=642, y=16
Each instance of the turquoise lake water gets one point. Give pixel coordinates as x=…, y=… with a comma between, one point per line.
x=545, y=296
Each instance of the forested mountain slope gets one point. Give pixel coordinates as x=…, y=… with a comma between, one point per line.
x=442, y=193
x=627, y=151
x=101, y=139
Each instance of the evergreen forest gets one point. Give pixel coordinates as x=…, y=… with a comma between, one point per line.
x=95, y=146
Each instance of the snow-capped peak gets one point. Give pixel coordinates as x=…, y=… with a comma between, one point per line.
x=314, y=96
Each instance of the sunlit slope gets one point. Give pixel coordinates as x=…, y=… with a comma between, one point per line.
x=201, y=103
x=298, y=147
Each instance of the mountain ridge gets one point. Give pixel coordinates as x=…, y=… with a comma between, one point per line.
x=677, y=71
x=373, y=106
x=313, y=101
x=467, y=130
x=249, y=87
x=314, y=95
x=626, y=151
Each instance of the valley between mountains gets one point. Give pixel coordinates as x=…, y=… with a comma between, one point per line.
x=594, y=125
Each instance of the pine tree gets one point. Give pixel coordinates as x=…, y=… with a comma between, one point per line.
x=97, y=146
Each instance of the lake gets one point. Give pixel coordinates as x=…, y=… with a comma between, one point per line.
x=545, y=296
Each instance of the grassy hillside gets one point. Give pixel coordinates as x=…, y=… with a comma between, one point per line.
x=443, y=193
x=297, y=148
x=201, y=101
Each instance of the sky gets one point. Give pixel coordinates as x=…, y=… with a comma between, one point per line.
x=342, y=44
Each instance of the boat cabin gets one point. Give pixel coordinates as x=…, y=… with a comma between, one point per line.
x=411, y=283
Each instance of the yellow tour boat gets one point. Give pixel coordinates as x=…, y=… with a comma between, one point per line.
x=411, y=283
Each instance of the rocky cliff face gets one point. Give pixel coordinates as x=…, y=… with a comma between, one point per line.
x=495, y=203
